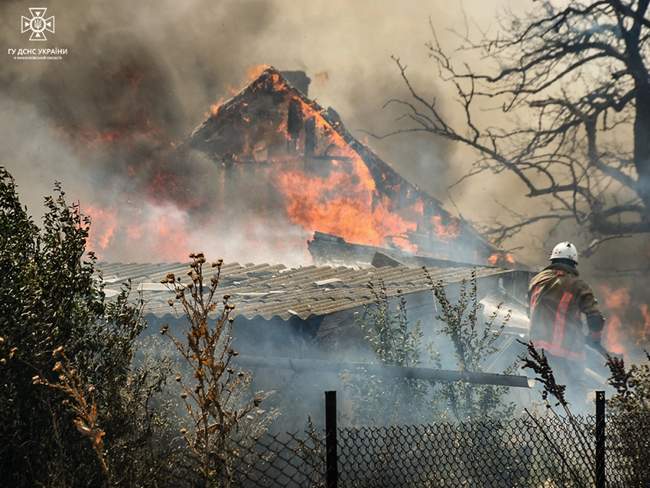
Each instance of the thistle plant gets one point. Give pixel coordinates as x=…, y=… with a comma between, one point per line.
x=580, y=467
x=221, y=411
x=537, y=362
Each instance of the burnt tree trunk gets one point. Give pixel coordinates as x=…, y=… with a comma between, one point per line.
x=642, y=144
x=639, y=72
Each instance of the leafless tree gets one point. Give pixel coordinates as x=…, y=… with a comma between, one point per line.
x=570, y=83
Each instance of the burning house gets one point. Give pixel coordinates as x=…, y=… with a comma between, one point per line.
x=363, y=225
x=325, y=180
x=302, y=324
x=355, y=209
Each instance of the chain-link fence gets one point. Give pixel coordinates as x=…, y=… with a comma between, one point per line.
x=548, y=451
x=627, y=450
x=512, y=453
x=282, y=460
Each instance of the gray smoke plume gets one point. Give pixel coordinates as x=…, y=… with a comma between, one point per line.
x=107, y=119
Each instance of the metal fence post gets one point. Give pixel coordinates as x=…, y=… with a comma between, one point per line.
x=332, y=469
x=600, y=439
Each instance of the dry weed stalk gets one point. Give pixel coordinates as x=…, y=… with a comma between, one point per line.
x=215, y=396
x=537, y=361
x=81, y=399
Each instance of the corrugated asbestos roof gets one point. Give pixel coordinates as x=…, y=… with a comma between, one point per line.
x=269, y=291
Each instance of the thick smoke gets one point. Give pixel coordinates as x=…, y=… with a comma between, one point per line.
x=108, y=120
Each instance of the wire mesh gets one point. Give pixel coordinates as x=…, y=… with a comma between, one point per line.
x=548, y=451
x=281, y=460
x=627, y=448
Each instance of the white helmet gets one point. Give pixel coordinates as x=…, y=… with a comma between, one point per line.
x=565, y=250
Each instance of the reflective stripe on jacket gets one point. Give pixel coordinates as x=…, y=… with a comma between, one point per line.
x=557, y=298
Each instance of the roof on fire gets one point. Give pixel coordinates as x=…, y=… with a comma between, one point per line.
x=268, y=290
x=208, y=135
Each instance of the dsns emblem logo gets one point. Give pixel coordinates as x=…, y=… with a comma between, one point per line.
x=37, y=24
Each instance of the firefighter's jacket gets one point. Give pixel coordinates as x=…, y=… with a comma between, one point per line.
x=557, y=299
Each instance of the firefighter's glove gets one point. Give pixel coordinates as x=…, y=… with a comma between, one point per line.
x=595, y=323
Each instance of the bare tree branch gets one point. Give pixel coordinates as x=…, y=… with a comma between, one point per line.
x=573, y=89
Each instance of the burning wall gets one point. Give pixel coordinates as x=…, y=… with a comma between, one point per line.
x=628, y=318
x=323, y=178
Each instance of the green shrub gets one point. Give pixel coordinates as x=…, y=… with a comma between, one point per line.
x=51, y=299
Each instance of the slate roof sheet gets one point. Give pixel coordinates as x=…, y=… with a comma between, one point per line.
x=271, y=290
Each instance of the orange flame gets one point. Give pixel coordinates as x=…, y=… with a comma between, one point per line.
x=253, y=72
x=501, y=259
x=170, y=236
x=445, y=232
x=331, y=190
x=102, y=228
x=645, y=311
x=616, y=301
x=318, y=204
x=214, y=108
x=613, y=338
x=163, y=231
x=345, y=201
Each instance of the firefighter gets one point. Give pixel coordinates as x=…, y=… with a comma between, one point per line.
x=558, y=299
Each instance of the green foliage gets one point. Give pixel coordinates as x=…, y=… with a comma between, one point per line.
x=473, y=344
x=379, y=399
x=384, y=400
x=50, y=298
x=387, y=330
x=629, y=417
x=632, y=387
x=627, y=421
